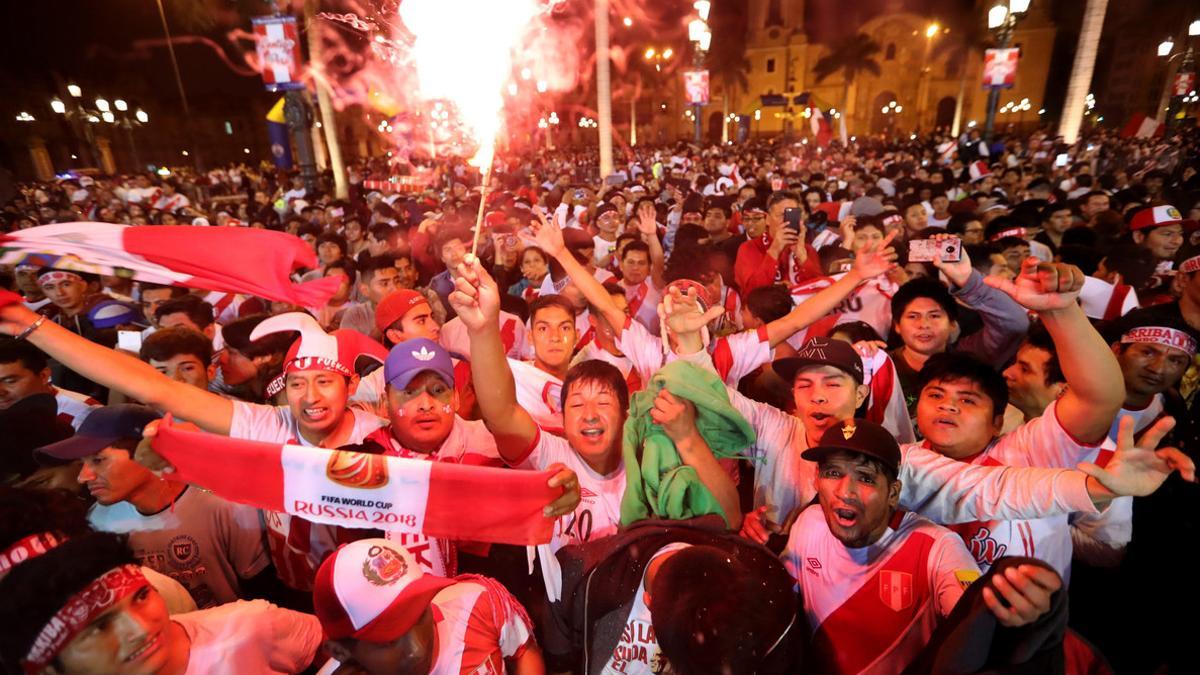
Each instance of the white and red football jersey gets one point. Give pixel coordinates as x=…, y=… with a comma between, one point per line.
x=1040, y=442
x=540, y=394
x=74, y=407
x=469, y=442
x=297, y=546
x=173, y=203
x=599, y=511
x=874, y=609
x=870, y=302
x=643, y=302
x=885, y=403
x=455, y=337
x=479, y=625
x=736, y=356
x=641, y=354
x=225, y=305
x=731, y=320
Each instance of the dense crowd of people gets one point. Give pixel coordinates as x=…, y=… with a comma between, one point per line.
x=909, y=405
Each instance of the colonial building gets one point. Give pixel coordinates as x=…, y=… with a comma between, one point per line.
x=924, y=81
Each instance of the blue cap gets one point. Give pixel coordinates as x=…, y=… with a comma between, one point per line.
x=113, y=313
x=413, y=357
x=100, y=429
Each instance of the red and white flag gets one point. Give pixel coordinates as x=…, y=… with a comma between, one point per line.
x=1000, y=67
x=227, y=259
x=360, y=490
x=1141, y=126
x=820, y=126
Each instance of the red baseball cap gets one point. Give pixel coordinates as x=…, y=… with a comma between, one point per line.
x=372, y=590
x=395, y=306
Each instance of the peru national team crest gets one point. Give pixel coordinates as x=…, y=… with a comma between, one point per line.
x=383, y=566
x=896, y=590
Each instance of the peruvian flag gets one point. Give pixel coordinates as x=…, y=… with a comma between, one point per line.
x=227, y=259
x=360, y=490
x=820, y=126
x=1141, y=126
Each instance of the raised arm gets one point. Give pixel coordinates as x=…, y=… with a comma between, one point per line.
x=1005, y=322
x=677, y=417
x=869, y=262
x=648, y=229
x=1094, y=381
x=476, y=299
x=549, y=237
x=119, y=371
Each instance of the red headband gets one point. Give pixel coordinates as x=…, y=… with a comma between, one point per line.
x=57, y=275
x=1190, y=265
x=1161, y=335
x=79, y=611
x=1010, y=232
x=25, y=549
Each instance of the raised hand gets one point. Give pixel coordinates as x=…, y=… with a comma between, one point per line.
x=682, y=314
x=1042, y=287
x=15, y=318
x=957, y=272
x=875, y=259
x=475, y=297
x=754, y=526
x=1137, y=470
x=647, y=219
x=1027, y=590
x=548, y=234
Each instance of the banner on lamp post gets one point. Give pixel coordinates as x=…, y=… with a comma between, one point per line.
x=278, y=50
x=1000, y=67
x=695, y=87
x=1183, y=84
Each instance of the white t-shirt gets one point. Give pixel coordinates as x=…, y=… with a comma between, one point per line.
x=455, y=337
x=874, y=609
x=736, y=356
x=250, y=637
x=643, y=301
x=870, y=302
x=599, y=511
x=637, y=651
x=204, y=542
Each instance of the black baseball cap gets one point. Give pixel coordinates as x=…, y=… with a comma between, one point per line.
x=860, y=437
x=821, y=351
x=102, y=427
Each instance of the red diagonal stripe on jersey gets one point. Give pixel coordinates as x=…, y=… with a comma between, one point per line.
x=862, y=630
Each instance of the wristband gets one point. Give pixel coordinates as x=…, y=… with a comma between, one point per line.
x=32, y=327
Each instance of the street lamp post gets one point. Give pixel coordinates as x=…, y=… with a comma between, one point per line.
x=79, y=120
x=701, y=38
x=1186, y=68
x=1003, y=19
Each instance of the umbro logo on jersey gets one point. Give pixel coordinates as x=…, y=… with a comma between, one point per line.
x=814, y=563
x=585, y=493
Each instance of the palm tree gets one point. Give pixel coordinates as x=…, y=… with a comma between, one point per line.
x=727, y=60
x=851, y=56
x=968, y=36
x=1081, y=72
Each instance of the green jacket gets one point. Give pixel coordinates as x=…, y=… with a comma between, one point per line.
x=658, y=484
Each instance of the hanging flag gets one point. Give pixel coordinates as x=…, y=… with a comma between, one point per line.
x=360, y=490
x=820, y=126
x=1141, y=126
x=277, y=135
x=1000, y=67
x=278, y=49
x=228, y=259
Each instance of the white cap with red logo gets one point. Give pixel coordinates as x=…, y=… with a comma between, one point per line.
x=315, y=349
x=979, y=170
x=372, y=590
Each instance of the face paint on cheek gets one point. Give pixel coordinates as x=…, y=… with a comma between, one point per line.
x=446, y=409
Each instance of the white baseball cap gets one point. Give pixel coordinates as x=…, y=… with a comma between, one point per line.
x=372, y=590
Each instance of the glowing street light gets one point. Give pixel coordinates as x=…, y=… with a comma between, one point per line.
x=932, y=30
x=74, y=90
x=25, y=117
x=108, y=116
x=121, y=105
x=702, y=8
x=627, y=21
x=1165, y=47
x=58, y=106
x=102, y=105
x=142, y=116
x=996, y=16
x=542, y=86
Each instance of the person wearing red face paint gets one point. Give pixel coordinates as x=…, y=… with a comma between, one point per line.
x=876, y=581
x=319, y=375
x=383, y=615
x=83, y=607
